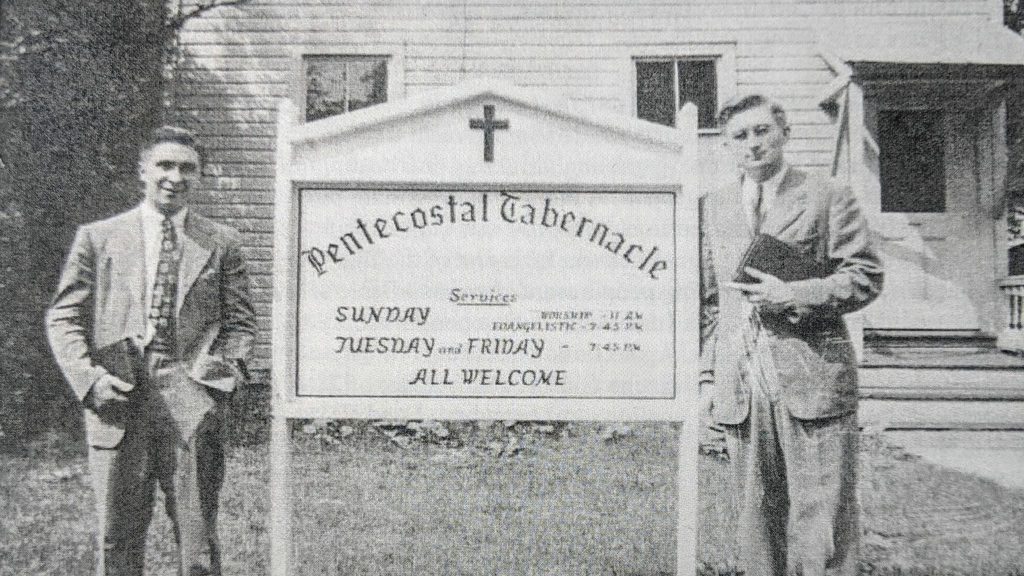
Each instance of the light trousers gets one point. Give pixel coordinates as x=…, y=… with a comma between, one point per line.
x=796, y=490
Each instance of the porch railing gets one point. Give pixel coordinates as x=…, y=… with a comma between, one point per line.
x=1011, y=337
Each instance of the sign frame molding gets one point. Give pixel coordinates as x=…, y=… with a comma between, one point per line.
x=683, y=410
x=293, y=405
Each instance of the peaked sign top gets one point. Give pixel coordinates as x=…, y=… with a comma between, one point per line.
x=535, y=138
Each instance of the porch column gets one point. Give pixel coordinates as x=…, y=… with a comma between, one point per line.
x=1011, y=333
x=857, y=132
x=1011, y=330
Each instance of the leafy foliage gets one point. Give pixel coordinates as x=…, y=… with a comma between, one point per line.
x=81, y=83
x=1013, y=15
x=504, y=438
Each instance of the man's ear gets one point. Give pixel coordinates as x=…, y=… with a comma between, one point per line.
x=141, y=162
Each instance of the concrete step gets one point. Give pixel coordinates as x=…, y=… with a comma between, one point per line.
x=959, y=398
x=940, y=357
x=896, y=341
x=964, y=415
x=942, y=383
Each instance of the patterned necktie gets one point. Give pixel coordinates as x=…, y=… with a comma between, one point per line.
x=165, y=289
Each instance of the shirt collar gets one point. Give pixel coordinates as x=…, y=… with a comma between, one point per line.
x=771, y=185
x=152, y=216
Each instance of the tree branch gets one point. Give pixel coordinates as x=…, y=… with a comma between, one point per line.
x=177, y=21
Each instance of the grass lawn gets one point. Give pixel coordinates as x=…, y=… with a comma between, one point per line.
x=572, y=505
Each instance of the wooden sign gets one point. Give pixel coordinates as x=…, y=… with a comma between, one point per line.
x=494, y=295
x=557, y=280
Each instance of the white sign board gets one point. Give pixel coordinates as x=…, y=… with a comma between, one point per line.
x=497, y=295
x=551, y=274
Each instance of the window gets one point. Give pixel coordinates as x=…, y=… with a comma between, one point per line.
x=663, y=85
x=912, y=160
x=336, y=84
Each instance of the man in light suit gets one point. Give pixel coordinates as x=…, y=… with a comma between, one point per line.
x=151, y=324
x=785, y=379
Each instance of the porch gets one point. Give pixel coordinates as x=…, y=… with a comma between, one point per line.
x=920, y=116
x=940, y=382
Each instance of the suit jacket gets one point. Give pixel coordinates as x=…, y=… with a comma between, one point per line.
x=810, y=346
x=100, y=301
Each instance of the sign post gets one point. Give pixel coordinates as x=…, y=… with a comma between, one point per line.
x=687, y=504
x=488, y=296
x=284, y=296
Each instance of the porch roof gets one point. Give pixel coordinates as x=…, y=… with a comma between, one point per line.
x=935, y=41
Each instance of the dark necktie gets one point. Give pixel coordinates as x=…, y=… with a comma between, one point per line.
x=754, y=204
x=759, y=209
x=165, y=289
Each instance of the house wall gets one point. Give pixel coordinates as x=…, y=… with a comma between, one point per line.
x=238, y=62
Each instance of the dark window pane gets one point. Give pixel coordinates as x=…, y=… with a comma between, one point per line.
x=325, y=87
x=655, y=94
x=912, y=150
x=339, y=84
x=698, y=84
x=367, y=83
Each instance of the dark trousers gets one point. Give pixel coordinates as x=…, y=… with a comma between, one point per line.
x=189, y=470
x=797, y=478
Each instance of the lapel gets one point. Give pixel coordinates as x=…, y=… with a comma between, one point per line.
x=732, y=211
x=790, y=203
x=195, y=251
x=731, y=230
x=732, y=236
x=131, y=264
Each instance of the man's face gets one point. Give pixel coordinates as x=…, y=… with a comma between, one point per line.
x=757, y=142
x=168, y=171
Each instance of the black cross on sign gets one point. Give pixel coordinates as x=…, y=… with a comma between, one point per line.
x=488, y=125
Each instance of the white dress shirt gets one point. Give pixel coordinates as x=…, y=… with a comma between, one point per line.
x=769, y=190
x=758, y=356
x=756, y=211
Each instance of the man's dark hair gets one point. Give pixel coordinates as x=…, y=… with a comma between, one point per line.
x=744, y=103
x=174, y=134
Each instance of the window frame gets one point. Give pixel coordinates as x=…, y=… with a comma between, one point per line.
x=394, y=56
x=723, y=54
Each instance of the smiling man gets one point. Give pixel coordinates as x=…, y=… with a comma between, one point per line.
x=151, y=325
x=785, y=381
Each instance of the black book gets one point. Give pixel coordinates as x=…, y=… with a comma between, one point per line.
x=773, y=256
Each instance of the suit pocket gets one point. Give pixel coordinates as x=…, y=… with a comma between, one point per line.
x=815, y=367
x=839, y=370
x=214, y=373
x=818, y=377
x=187, y=401
x=208, y=274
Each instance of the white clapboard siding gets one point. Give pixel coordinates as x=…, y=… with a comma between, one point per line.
x=501, y=10
x=237, y=62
